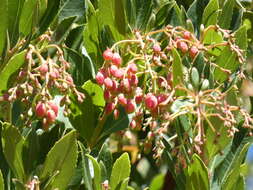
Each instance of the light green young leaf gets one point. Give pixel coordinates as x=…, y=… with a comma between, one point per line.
x=4, y=23
x=27, y=16
x=157, y=182
x=60, y=162
x=225, y=17
x=197, y=175
x=124, y=184
x=12, y=148
x=1, y=181
x=11, y=67
x=97, y=173
x=120, y=170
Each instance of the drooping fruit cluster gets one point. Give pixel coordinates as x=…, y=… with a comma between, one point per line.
x=38, y=81
x=157, y=78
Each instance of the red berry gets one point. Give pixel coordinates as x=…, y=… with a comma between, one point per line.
x=107, y=95
x=100, y=78
x=193, y=51
x=156, y=48
x=109, y=107
x=187, y=35
x=132, y=68
x=134, y=80
x=130, y=107
x=122, y=100
x=151, y=101
x=108, y=83
x=138, y=98
x=107, y=55
x=40, y=109
x=113, y=70
x=161, y=98
x=54, y=107
x=116, y=59
x=182, y=46
x=51, y=116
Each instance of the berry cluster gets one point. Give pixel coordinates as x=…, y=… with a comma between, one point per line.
x=38, y=81
x=142, y=78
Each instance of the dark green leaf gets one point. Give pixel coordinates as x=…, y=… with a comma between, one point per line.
x=61, y=162
x=210, y=14
x=226, y=14
x=13, y=147
x=105, y=155
x=177, y=69
x=120, y=170
x=1, y=181
x=10, y=68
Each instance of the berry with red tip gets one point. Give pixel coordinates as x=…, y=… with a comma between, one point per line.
x=51, y=116
x=40, y=109
x=132, y=68
x=130, y=107
x=107, y=55
x=182, y=46
x=122, y=100
x=108, y=83
x=193, y=51
x=54, y=107
x=107, y=95
x=113, y=70
x=100, y=78
x=134, y=80
x=151, y=101
x=187, y=35
x=116, y=59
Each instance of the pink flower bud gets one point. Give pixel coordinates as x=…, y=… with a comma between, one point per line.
x=40, y=109
x=193, y=51
x=108, y=83
x=161, y=98
x=113, y=70
x=51, y=116
x=107, y=95
x=107, y=55
x=182, y=46
x=151, y=101
x=100, y=78
x=122, y=100
x=134, y=80
x=156, y=48
x=130, y=107
x=119, y=74
x=116, y=59
x=109, y=107
x=187, y=35
x=132, y=68
x=43, y=68
x=54, y=107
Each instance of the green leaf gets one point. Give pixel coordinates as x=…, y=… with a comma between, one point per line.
x=225, y=17
x=120, y=170
x=241, y=38
x=105, y=155
x=143, y=12
x=233, y=171
x=157, y=182
x=13, y=147
x=10, y=68
x=27, y=16
x=177, y=69
x=124, y=184
x=1, y=181
x=210, y=14
x=197, y=175
x=97, y=172
x=84, y=116
x=4, y=24
x=61, y=162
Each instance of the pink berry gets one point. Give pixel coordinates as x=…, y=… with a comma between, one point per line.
x=139, y=95
x=130, y=107
x=193, y=51
x=100, y=78
x=54, y=74
x=109, y=107
x=156, y=48
x=132, y=68
x=126, y=85
x=113, y=70
x=114, y=86
x=122, y=100
x=161, y=98
x=43, y=68
x=116, y=114
x=40, y=109
x=51, y=116
x=70, y=79
x=116, y=59
x=182, y=46
x=107, y=55
x=54, y=107
x=187, y=35
x=108, y=83
x=119, y=73
x=151, y=101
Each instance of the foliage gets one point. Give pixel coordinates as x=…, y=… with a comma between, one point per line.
x=125, y=94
